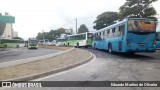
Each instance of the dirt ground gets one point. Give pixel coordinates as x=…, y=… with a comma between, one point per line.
x=55, y=47
x=44, y=65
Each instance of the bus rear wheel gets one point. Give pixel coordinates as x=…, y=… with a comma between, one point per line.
x=94, y=46
x=110, y=48
x=5, y=46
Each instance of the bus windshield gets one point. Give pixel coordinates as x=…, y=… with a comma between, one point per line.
x=33, y=42
x=141, y=25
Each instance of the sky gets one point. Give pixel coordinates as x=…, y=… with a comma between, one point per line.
x=33, y=16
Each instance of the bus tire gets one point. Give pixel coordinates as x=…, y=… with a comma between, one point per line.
x=131, y=53
x=110, y=48
x=5, y=46
x=94, y=46
x=77, y=45
x=86, y=46
x=17, y=46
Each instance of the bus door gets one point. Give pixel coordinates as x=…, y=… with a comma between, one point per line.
x=121, y=37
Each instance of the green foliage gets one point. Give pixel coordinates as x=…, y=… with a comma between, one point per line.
x=105, y=19
x=17, y=38
x=82, y=29
x=139, y=8
x=51, y=35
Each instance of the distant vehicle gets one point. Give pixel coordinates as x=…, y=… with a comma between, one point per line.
x=79, y=40
x=32, y=43
x=50, y=43
x=60, y=41
x=11, y=43
x=43, y=42
x=129, y=36
x=54, y=42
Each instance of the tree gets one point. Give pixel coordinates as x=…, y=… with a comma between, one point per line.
x=139, y=8
x=105, y=19
x=45, y=35
x=82, y=29
x=51, y=35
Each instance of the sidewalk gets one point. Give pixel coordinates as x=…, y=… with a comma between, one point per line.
x=45, y=66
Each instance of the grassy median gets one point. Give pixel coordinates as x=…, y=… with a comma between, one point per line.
x=44, y=65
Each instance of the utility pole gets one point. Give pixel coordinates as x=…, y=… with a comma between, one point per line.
x=43, y=35
x=76, y=26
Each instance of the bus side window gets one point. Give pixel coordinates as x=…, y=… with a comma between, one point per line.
x=108, y=32
x=103, y=34
x=111, y=34
x=96, y=36
x=117, y=32
x=121, y=29
x=113, y=30
x=100, y=36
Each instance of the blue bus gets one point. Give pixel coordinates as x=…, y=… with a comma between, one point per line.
x=128, y=36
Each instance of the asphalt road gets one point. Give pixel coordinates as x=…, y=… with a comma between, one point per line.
x=11, y=54
x=111, y=67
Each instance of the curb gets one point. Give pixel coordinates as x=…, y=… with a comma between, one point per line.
x=27, y=78
x=22, y=61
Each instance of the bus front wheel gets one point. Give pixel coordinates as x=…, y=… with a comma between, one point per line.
x=17, y=46
x=77, y=45
x=110, y=48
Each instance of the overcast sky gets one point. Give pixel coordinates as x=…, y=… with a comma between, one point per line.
x=33, y=16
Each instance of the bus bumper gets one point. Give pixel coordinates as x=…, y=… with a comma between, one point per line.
x=141, y=49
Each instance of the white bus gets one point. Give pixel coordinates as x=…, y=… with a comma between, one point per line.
x=79, y=40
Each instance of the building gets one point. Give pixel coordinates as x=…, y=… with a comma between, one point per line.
x=8, y=32
x=69, y=31
x=15, y=34
x=7, y=20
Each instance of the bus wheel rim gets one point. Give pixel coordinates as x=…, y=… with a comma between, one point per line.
x=110, y=50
